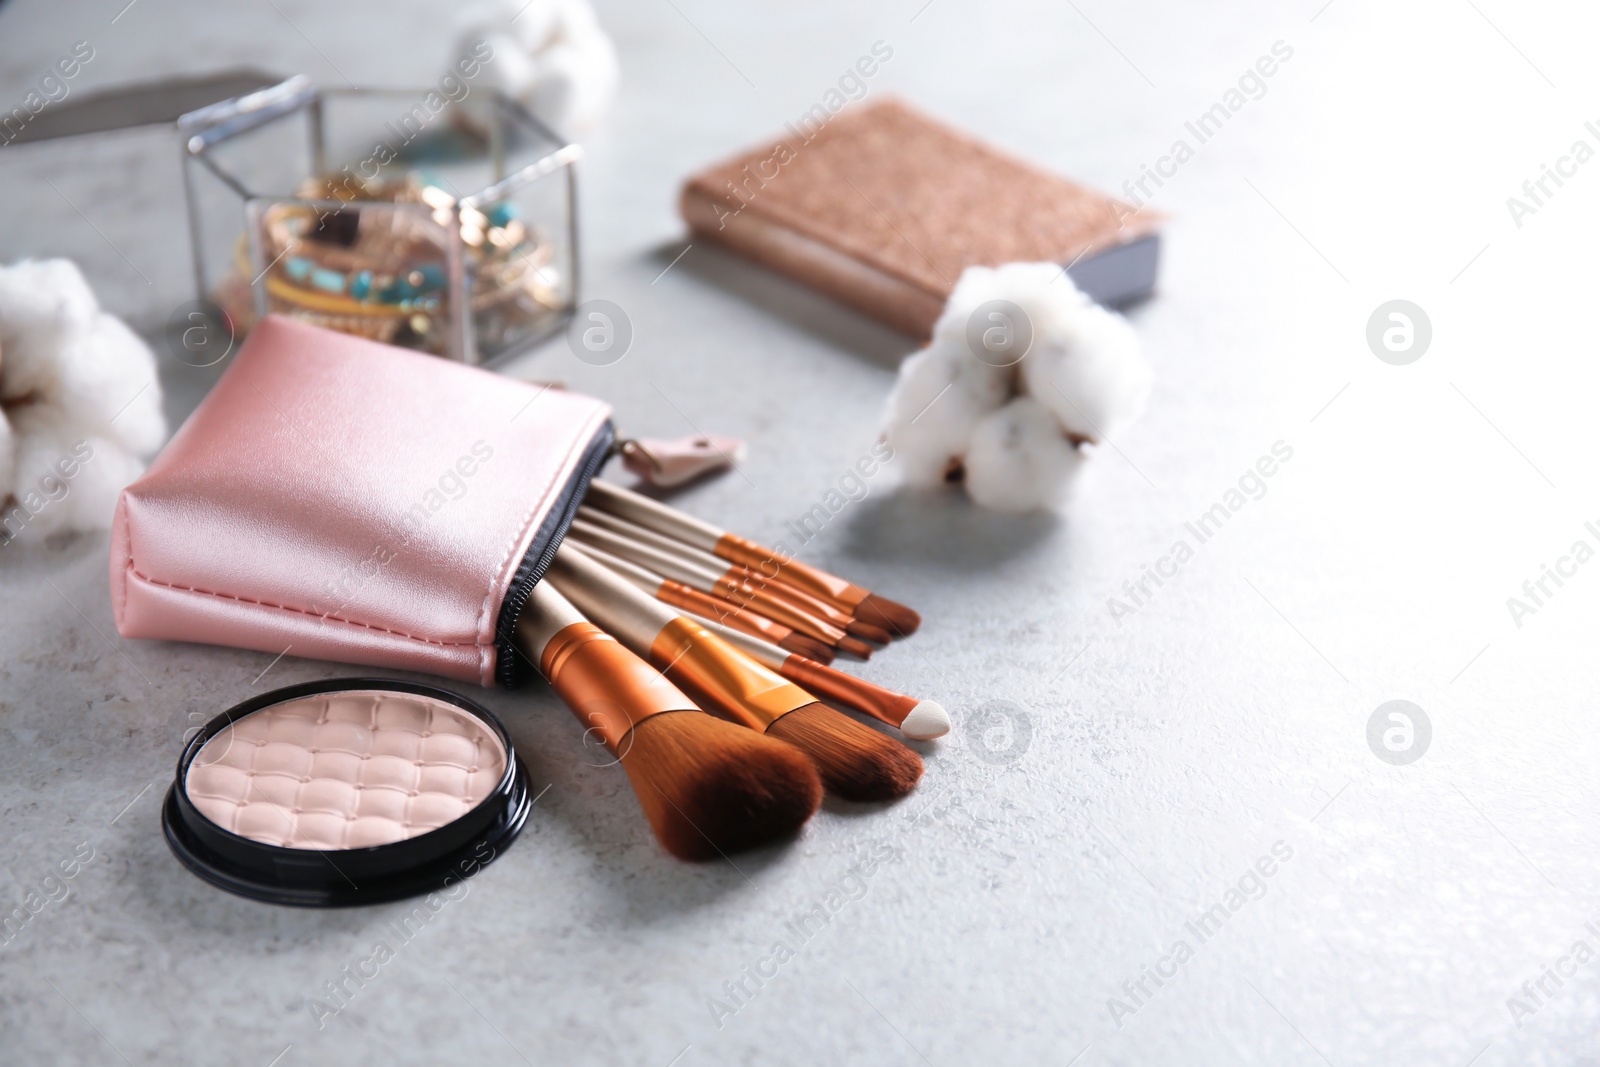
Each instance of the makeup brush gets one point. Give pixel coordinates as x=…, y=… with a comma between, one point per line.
x=719, y=580
x=679, y=570
x=714, y=609
x=922, y=720
x=736, y=574
x=707, y=786
x=854, y=762
x=862, y=603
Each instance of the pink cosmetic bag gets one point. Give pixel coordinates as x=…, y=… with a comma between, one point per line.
x=345, y=500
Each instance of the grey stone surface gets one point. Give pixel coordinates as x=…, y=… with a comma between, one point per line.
x=1168, y=750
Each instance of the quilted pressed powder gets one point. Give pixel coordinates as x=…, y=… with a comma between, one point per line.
x=345, y=792
x=346, y=769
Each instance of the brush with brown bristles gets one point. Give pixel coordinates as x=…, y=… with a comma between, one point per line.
x=854, y=762
x=878, y=610
x=714, y=609
x=671, y=565
x=922, y=720
x=707, y=786
x=736, y=576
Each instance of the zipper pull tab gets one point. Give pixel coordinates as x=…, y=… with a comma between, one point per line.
x=667, y=464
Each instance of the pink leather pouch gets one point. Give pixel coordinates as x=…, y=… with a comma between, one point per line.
x=341, y=499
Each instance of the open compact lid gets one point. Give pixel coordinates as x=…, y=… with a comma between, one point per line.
x=344, y=500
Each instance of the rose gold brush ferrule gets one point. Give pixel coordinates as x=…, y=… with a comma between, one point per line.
x=707, y=606
x=778, y=589
x=764, y=604
x=826, y=610
x=722, y=678
x=846, y=689
x=767, y=562
x=607, y=687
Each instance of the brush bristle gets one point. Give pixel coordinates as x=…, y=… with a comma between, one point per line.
x=855, y=646
x=861, y=628
x=709, y=787
x=809, y=647
x=926, y=721
x=855, y=762
x=896, y=618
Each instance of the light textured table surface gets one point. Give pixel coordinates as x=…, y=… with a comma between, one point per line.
x=1156, y=757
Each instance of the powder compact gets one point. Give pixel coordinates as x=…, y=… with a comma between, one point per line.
x=351, y=791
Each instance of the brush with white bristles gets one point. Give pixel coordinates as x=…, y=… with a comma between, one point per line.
x=921, y=720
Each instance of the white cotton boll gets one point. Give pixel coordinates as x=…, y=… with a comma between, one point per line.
x=1021, y=360
x=91, y=502
x=575, y=83
x=37, y=290
x=1092, y=375
x=41, y=302
x=942, y=369
x=80, y=399
x=975, y=285
x=923, y=453
x=551, y=55
x=532, y=24
x=924, y=442
x=939, y=396
x=579, y=71
x=63, y=480
x=107, y=373
x=1019, y=460
x=1042, y=292
x=512, y=70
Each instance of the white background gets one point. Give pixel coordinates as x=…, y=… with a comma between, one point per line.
x=1166, y=753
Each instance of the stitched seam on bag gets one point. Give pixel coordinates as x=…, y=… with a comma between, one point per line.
x=577, y=444
x=298, y=611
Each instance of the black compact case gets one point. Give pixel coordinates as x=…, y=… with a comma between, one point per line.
x=340, y=878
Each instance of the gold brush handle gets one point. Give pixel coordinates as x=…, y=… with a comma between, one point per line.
x=721, y=678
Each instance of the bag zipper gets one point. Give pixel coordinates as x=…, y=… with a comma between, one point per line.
x=511, y=666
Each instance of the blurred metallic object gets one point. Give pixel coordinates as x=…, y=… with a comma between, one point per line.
x=155, y=103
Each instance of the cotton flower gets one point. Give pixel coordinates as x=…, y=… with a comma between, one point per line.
x=551, y=55
x=1021, y=371
x=1041, y=291
x=1090, y=374
x=79, y=399
x=941, y=394
x=1018, y=459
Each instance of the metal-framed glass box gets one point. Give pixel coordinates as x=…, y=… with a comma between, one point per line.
x=442, y=220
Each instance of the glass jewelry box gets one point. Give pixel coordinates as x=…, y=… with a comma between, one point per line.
x=436, y=219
